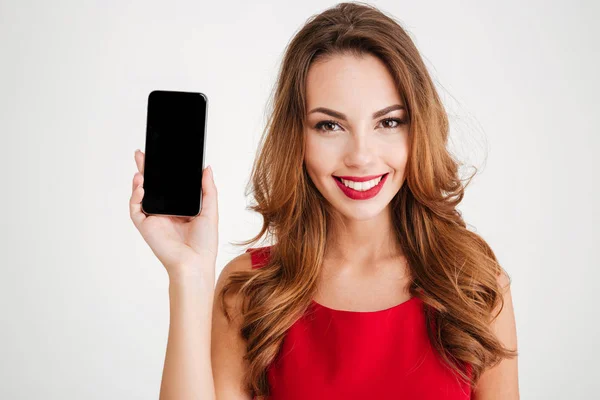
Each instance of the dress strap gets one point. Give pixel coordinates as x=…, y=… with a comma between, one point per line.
x=259, y=256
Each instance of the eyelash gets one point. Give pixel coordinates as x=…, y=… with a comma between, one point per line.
x=319, y=125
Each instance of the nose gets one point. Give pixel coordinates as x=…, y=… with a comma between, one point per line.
x=360, y=151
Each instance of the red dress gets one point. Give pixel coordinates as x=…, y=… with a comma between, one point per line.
x=336, y=354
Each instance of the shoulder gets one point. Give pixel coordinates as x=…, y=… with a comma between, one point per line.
x=228, y=348
x=504, y=310
x=502, y=379
x=240, y=263
x=503, y=315
x=251, y=259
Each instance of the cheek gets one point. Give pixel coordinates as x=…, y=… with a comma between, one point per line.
x=320, y=156
x=396, y=153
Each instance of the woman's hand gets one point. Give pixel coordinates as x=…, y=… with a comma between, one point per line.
x=185, y=246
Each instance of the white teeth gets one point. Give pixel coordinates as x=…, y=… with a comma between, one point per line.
x=361, y=186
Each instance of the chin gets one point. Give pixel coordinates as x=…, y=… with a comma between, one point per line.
x=360, y=212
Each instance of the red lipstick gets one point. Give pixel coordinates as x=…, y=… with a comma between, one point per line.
x=359, y=178
x=356, y=194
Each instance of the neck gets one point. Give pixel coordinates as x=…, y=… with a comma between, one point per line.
x=363, y=244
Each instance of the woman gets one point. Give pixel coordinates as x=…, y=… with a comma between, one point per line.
x=374, y=287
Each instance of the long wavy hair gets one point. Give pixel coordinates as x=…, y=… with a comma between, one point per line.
x=453, y=270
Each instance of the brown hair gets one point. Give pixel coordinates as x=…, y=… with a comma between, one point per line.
x=453, y=270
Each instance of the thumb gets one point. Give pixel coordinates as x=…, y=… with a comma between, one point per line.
x=209, y=195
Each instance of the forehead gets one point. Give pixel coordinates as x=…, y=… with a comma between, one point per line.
x=349, y=83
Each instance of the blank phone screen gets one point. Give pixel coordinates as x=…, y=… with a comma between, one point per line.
x=174, y=160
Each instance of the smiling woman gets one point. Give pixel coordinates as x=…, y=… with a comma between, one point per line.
x=356, y=185
x=374, y=287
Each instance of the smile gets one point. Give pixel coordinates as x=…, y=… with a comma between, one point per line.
x=361, y=190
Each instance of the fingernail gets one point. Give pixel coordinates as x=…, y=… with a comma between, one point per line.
x=136, y=151
x=210, y=170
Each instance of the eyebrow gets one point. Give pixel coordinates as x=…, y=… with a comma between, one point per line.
x=343, y=117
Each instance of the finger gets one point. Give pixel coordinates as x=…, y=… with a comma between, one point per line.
x=138, y=179
x=209, y=195
x=135, y=206
x=140, y=159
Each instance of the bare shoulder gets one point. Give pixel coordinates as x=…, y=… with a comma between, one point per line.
x=228, y=348
x=502, y=380
x=242, y=262
x=504, y=322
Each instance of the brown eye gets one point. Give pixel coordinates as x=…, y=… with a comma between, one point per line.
x=319, y=126
x=396, y=120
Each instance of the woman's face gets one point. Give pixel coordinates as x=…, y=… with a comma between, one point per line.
x=355, y=143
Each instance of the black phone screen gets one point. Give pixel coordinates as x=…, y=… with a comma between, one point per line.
x=175, y=147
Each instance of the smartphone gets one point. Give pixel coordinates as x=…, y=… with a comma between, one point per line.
x=175, y=152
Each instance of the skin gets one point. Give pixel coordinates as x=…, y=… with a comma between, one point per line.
x=364, y=256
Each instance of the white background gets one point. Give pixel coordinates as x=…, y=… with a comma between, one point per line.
x=84, y=302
